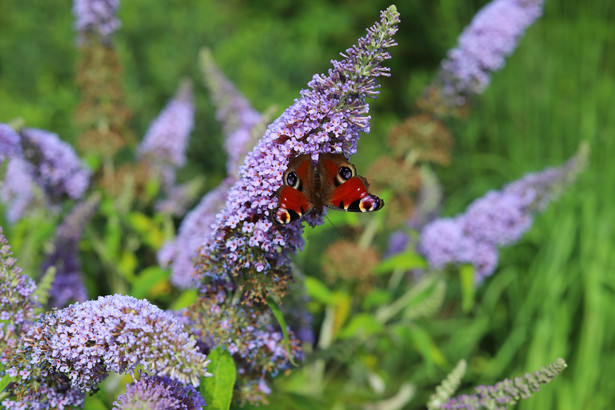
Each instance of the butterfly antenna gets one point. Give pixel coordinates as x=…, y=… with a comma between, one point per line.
x=334, y=227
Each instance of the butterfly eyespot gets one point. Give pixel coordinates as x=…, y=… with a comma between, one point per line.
x=345, y=173
x=292, y=179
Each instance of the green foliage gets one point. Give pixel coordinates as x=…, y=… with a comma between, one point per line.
x=218, y=389
x=44, y=285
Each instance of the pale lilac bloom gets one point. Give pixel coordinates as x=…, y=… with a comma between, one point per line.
x=9, y=142
x=159, y=393
x=500, y=218
x=18, y=188
x=64, y=255
x=56, y=167
x=165, y=142
x=79, y=345
x=239, y=120
x=328, y=117
x=234, y=112
x=97, y=17
x=180, y=254
x=484, y=45
x=18, y=302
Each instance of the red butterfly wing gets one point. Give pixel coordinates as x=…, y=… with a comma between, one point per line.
x=342, y=188
x=294, y=195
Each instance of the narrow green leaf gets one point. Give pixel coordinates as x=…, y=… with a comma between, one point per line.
x=218, y=390
x=5, y=381
x=44, y=285
x=466, y=276
x=277, y=312
x=405, y=260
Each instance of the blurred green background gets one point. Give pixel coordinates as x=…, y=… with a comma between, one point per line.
x=553, y=293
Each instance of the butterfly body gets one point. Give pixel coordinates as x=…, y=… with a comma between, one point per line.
x=333, y=183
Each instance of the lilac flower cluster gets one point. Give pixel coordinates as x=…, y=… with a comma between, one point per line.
x=18, y=304
x=77, y=346
x=507, y=392
x=181, y=253
x=239, y=121
x=165, y=142
x=498, y=219
x=18, y=188
x=327, y=118
x=247, y=334
x=97, y=17
x=57, y=169
x=43, y=161
x=9, y=143
x=484, y=45
x=64, y=257
x=234, y=111
x=159, y=393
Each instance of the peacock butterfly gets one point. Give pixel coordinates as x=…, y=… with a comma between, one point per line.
x=333, y=182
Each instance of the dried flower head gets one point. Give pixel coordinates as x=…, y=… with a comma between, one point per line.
x=423, y=138
x=347, y=262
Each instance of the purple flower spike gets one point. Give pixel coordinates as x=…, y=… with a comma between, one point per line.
x=9, y=142
x=484, y=45
x=165, y=142
x=57, y=169
x=98, y=17
x=328, y=117
x=159, y=393
x=181, y=253
x=235, y=112
x=17, y=300
x=76, y=347
x=68, y=282
x=500, y=218
x=17, y=190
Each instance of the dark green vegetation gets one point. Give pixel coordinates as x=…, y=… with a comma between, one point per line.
x=553, y=293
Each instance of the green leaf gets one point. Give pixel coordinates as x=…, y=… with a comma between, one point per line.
x=147, y=280
x=376, y=297
x=466, y=276
x=148, y=230
x=318, y=291
x=405, y=261
x=5, y=381
x=185, y=299
x=218, y=390
x=362, y=324
x=275, y=308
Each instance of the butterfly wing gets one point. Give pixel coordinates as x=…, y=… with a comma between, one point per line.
x=342, y=188
x=294, y=194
